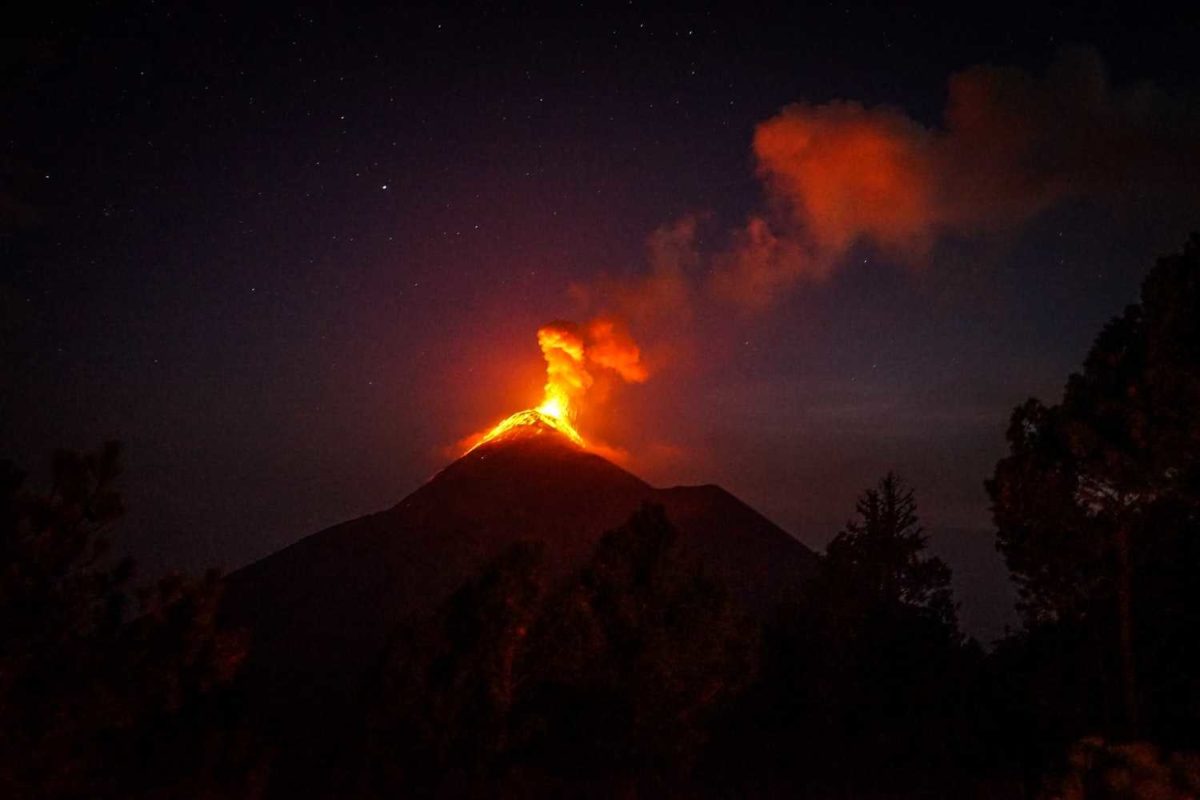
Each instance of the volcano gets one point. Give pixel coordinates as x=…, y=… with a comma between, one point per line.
x=321, y=611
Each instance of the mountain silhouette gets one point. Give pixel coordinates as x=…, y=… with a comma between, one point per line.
x=321, y=611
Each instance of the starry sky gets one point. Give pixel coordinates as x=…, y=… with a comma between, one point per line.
x=291, y=255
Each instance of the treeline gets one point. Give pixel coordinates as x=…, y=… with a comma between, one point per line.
x=107, y=689
x=639, y=675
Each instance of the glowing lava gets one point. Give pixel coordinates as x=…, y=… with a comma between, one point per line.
x=531, y=417
x=569, y=353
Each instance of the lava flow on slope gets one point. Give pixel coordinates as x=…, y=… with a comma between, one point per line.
x=571, y=354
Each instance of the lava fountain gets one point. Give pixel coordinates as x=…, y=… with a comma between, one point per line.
x=571, y=357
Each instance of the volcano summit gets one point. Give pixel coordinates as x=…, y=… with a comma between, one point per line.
x=323, y=608
x=322, y=611
x=530, y=422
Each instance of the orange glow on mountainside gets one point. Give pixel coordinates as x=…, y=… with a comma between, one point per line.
x=530, y=417
x=571, y=354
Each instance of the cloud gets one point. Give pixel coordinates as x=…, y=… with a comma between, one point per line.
x=1011, y=144
x=839, y=176
x=845, y=172
x=610, y=346
x=1014, y=143
x=663, y=292
x=761, y=263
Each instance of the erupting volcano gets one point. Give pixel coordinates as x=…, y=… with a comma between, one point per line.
x=327, y=609
x=571, y=357
x=528, y=421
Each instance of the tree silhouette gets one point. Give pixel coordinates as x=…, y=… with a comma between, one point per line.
x=883, y=613
x=880, y=557
x=634, y=656
x=865, y=687
x=441, y=715
x=609, y=679
x=1096, y=503
x=105, y=691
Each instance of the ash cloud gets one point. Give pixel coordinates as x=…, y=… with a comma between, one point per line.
x=1010, y=145
x=840, y=176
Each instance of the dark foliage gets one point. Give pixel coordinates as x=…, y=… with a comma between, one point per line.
x=1096, y=509
x=105, y=691
x=878, y=562
x=439, y=716
x=632, y=659
x=870, y=669
x=1100, y=770
x=608, y=680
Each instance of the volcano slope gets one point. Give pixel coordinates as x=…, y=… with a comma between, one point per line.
x=321, y=611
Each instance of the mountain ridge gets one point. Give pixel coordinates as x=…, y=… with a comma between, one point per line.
x=321, y=611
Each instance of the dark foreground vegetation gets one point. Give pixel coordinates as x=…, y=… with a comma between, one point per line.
x=638, y=675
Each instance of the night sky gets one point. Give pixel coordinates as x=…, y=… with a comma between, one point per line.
x=290, y=256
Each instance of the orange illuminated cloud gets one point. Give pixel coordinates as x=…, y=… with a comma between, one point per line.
x=842, y=175
x=849, y=172
x=1011, y=144
x=612, y=347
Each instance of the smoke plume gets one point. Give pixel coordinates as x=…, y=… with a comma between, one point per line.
x=837, y=175
x=576, y=358
x=842, y=175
